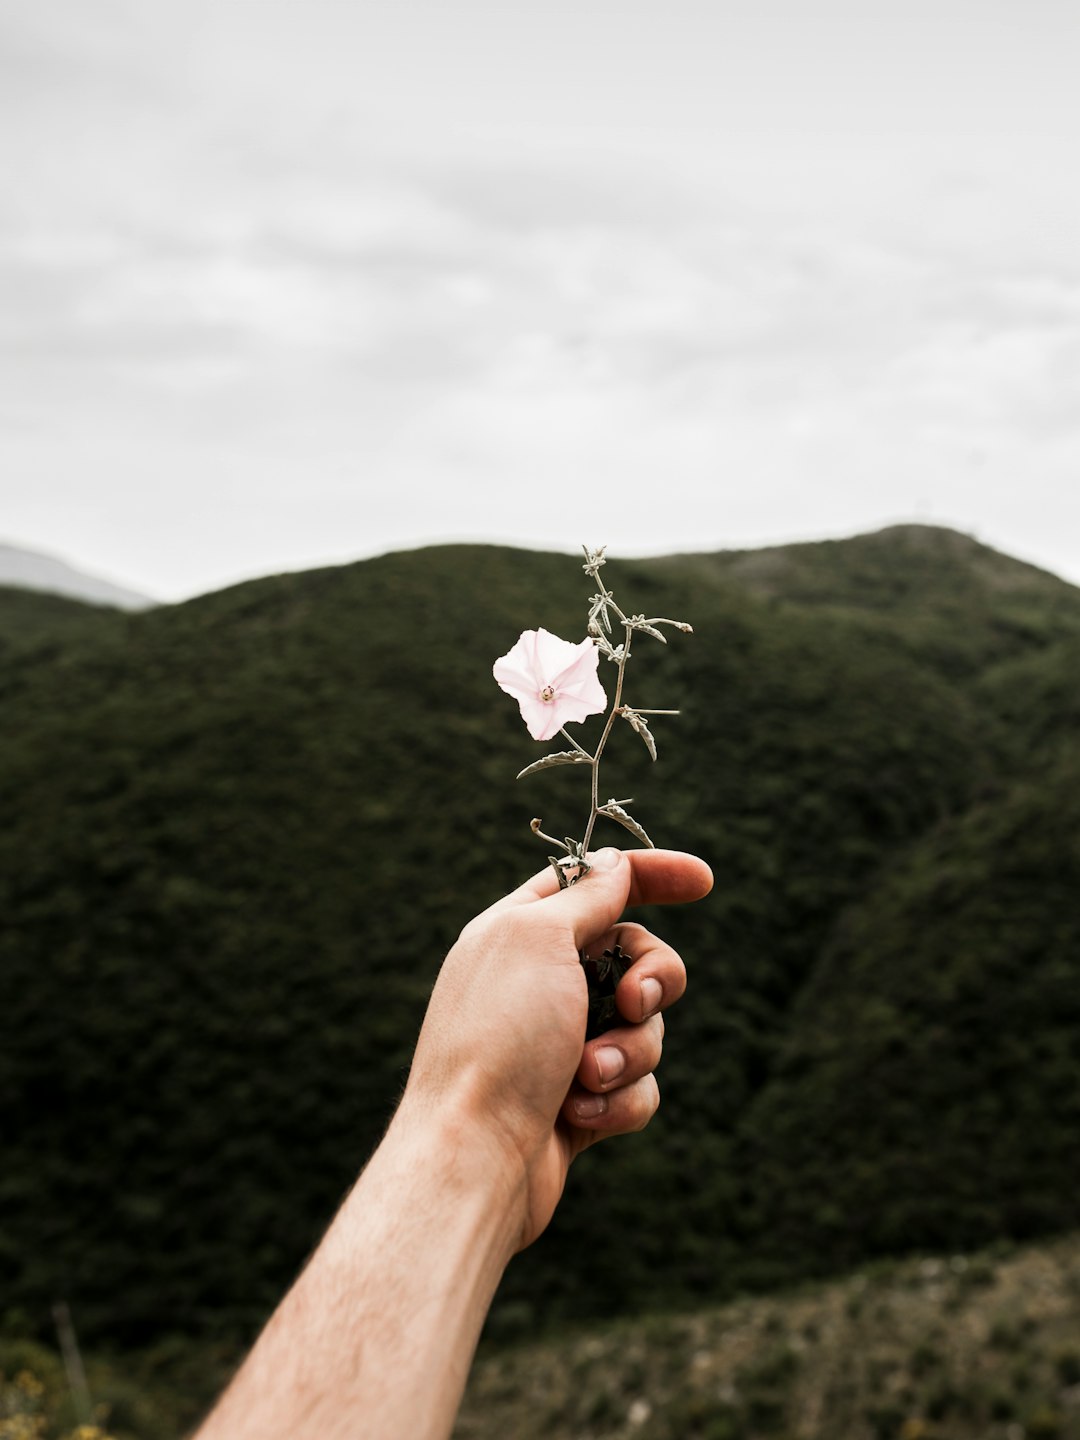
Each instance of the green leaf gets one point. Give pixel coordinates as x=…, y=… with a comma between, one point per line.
x=559, y=757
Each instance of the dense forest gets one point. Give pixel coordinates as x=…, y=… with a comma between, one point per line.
x=239, y=835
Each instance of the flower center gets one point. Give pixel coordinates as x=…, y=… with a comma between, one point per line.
x=547, y=694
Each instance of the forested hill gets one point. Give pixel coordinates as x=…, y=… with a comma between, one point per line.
x=240, y=833
x=35, y=620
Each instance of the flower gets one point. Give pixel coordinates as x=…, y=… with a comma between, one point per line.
x=552, y=681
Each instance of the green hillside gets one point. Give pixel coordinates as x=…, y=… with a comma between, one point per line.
x=33, y=620
x=240, y=833
x=929, y=1083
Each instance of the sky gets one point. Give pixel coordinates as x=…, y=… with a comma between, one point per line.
x=297, y=282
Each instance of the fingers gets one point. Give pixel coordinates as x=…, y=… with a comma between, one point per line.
x=667, y=877
x=596, y=901
x=664, y=874
x=655, y=980
x=621, y=1112
x=615, y=1091
x=610, y=867
x=621, y=1056
x=618, y=878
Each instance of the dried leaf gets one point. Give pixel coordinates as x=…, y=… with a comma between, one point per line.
x=559, y=757
x=640, y=727
x=638, y=622
x=599, y=612
x=614, y=811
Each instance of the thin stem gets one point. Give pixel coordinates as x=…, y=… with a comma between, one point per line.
x=579, y=748
x=604, y=737
x=559, y=844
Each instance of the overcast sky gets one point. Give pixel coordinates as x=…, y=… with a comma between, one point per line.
x=305, y=280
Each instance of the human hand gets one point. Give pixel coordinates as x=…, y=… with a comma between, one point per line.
x=501, y=1058
x=503, y=1093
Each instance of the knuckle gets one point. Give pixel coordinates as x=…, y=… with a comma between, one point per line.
x=495, y=930
x=477, y=928
x=630, y=932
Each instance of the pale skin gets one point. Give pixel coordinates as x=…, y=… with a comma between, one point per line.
x=377, y=1335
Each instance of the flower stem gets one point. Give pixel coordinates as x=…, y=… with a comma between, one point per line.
x=579, y=748
x=617, y=702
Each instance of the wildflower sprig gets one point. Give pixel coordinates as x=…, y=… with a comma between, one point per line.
x=555, y=682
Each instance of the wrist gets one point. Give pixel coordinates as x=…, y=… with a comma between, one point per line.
x=470, y=1164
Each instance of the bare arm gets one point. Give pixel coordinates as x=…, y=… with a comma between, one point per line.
x=377, y=1335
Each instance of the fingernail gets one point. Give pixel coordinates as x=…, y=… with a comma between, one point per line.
x=605, y=859
x=588, y=1107
x=652, y=992
x=610, y=1063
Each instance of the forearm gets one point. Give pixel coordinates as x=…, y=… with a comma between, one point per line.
x=377, y=1334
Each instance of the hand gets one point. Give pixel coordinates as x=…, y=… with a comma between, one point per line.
x=383, y=1321
x=501, y=1054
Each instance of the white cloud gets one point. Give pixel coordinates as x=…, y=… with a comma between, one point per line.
x=280, y=292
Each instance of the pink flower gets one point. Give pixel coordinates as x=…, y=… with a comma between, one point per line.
x=552, y=681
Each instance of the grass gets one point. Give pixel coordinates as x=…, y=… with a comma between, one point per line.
x=940, y=1348
x=957, y=1347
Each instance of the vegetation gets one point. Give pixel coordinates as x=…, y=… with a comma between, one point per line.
x=980, y=1347
x=240, y=833
x=952, y=1347
x=160, y=1394
x=36, y=620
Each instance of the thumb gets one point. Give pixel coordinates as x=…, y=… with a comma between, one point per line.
x=594, y=903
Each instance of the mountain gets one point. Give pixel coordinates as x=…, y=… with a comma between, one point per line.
x=31, y=570
x=240, y=833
